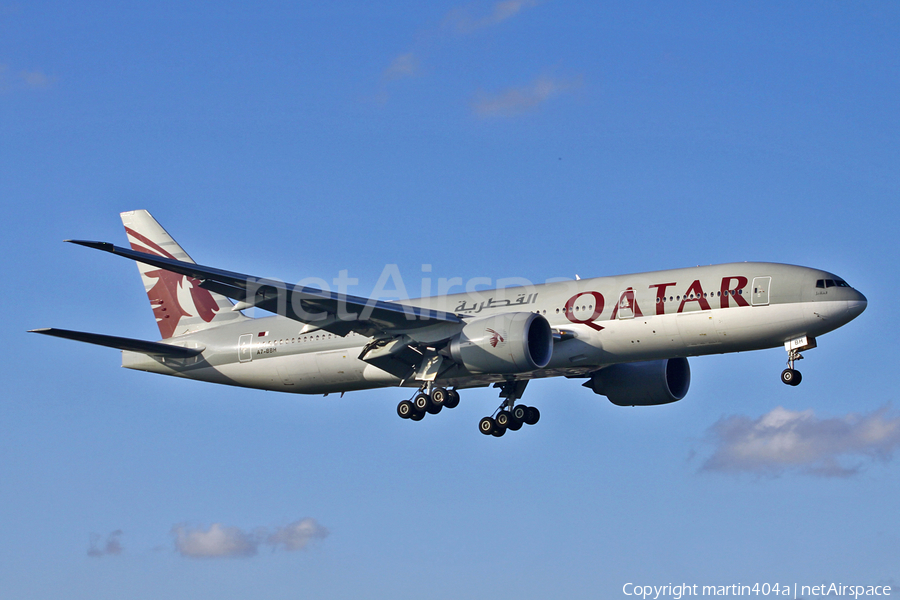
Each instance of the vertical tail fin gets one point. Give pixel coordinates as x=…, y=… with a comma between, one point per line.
x=179, y=304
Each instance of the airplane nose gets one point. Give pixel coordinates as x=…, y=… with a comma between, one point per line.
x=857, y=305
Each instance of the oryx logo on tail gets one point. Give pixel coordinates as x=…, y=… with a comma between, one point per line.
x=179, y=303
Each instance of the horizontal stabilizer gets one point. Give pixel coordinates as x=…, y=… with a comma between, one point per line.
x=111, y=341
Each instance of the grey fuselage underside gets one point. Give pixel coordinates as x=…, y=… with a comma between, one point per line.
x=698, y=320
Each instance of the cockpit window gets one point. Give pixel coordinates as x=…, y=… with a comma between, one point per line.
x=827, y=283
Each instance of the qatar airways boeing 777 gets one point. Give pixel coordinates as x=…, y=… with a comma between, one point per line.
x=627, y=336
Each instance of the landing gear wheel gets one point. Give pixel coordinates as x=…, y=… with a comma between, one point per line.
x=439, y=396
x=519, y=413
x=452, y=400
x=487, y=426
x=405, y=409
x=417, y=416
x=434, y=409
x=422, y=402
x=791, y=377
x=515, y=420
x=503, y=419
x=533, y=416
x=499, y=432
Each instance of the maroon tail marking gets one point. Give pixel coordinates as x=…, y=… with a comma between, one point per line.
x=164, y=294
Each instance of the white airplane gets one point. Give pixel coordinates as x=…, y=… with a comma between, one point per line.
x=628, y=336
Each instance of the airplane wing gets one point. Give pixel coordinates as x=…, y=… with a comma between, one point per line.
x=336, y=313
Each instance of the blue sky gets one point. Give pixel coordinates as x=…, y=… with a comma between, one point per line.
x=487, y=139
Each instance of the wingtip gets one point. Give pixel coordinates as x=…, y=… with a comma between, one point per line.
x=96, y=245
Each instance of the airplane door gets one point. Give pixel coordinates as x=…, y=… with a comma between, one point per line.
x=626, y=304
x=245, y=347
x=760, y=295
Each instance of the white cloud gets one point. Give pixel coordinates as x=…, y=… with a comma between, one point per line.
x=460, y=20
x=219, y=541
x=10, y=81
x=112, y=547
x=296, y=535
x=517, y=100
x=215, y=542
x=36, y=79
x=784, y=439
x=456, y=21
x=404, y=65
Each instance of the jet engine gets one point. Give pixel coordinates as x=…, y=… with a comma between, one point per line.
x=643, y=383
x=504, y=343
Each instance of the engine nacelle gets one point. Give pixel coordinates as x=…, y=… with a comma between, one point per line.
x=505, y=343
x=643, y=383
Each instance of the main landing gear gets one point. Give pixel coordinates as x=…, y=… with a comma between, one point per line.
x=509, y=415
x=504, y=419
x=425, y=401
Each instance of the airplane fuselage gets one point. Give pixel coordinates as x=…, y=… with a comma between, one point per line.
x=597, y=322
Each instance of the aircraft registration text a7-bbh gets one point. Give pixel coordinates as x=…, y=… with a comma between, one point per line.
x=627, y=336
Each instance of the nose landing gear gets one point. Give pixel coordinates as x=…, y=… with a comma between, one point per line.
x=791, y=376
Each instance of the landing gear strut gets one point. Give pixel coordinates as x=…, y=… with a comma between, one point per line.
x=509, y=415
